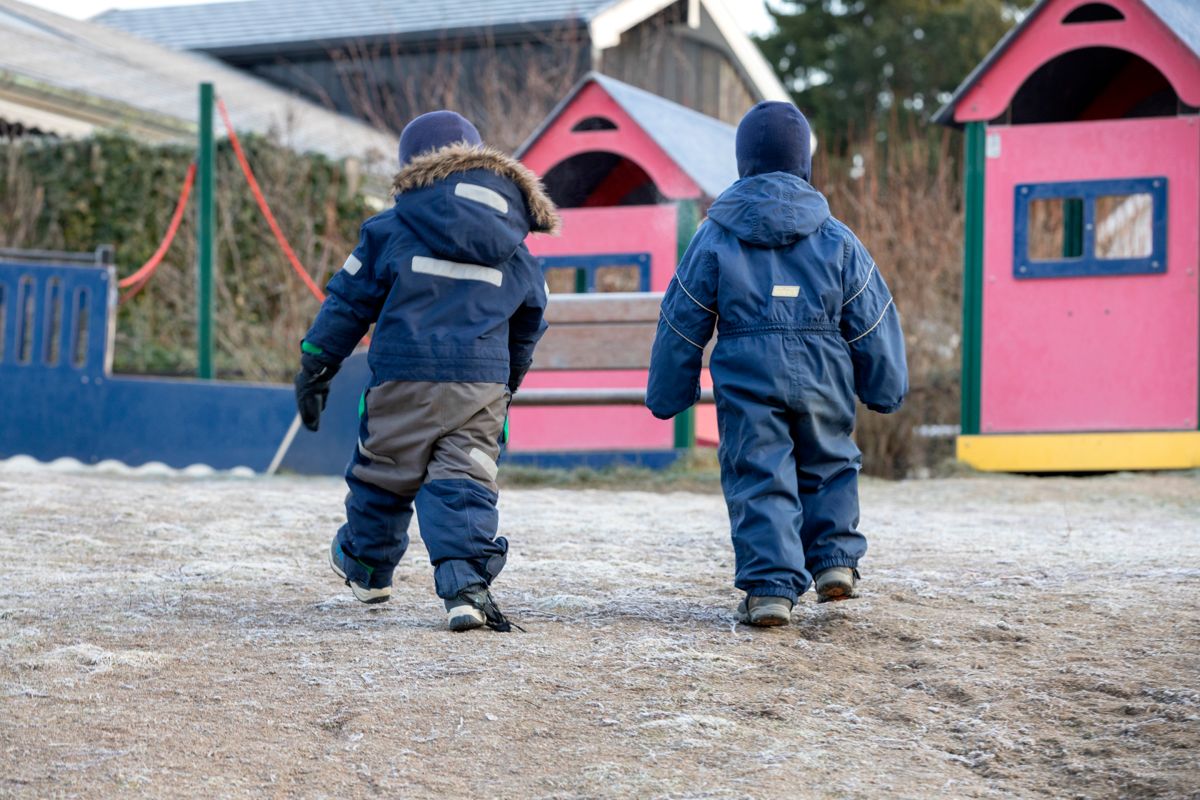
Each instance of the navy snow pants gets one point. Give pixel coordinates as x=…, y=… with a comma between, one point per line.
x=789, y=467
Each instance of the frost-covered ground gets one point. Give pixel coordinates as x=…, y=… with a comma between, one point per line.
x=170, y=637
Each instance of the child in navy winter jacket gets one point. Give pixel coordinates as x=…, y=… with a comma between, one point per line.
x=457, y=302
x=804, y=322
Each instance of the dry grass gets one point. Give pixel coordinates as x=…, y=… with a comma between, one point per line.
x=906, y=208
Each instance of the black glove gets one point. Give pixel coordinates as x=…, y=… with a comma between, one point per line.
x=516, y=374
x=312, y=388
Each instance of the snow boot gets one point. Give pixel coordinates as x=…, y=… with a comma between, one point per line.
x=836, y=583
x=365, y=594
x=474, y=607
x=765, y=611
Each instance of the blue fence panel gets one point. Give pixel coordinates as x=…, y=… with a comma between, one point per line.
x=55, y=318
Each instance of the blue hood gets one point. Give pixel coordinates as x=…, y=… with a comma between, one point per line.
x=771, y=210
x=472, y=204
x=470, y=232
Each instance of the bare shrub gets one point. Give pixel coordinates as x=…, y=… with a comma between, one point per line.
x=903, y=201
x=73, y=195
x=506, y=88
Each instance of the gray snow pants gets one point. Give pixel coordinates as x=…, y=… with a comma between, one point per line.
x=432, y=446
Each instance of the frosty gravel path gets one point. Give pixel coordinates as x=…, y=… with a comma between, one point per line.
x=184, y=638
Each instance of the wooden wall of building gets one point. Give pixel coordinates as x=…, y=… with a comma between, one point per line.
x=508, y=82
x=691, y=66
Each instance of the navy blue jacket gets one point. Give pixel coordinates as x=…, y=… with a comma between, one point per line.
x=771, y=263
x=444, y=274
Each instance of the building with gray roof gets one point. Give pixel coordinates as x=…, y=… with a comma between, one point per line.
x=66, y=77
x=503, y=63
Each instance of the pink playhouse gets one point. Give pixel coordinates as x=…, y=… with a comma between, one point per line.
x=632, y=174
x=1081, y=346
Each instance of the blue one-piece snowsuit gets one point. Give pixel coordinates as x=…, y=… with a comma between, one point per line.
x=804, y=321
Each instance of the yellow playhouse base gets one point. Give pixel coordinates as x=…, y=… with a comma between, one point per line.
x=1081, y=452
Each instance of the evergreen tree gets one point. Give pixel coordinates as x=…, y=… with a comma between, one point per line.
x=850, y=62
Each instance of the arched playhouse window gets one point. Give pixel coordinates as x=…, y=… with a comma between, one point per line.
x=1093, y=12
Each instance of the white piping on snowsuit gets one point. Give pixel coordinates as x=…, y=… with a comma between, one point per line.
x=693, y=299
x=677, y=332
x=873, y=327
x=862, y=288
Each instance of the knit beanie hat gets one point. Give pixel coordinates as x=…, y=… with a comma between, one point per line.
x=774, y=137
x=434, y=131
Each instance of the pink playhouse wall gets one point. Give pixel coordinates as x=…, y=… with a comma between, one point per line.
x=1140, y=32
x=1088, y=352
x=651, y=229
x=618, y=230
x=1092, y=353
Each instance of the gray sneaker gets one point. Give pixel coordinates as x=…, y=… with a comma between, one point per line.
x=836, y=583
x=364, y=594
x=765, y=611
x=474, y=607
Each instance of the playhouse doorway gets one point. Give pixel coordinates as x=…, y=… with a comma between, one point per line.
x=1093, y=83
x=597, y=179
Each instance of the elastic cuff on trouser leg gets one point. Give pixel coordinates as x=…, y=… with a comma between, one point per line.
x=837, y=561
x=362, y=572
x=453, y=575
x=773, y=590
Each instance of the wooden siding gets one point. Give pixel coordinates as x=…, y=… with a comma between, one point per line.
x=692, y=67
x=508, y=84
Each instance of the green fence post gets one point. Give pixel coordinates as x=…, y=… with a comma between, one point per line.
x=972, y=337
x=688, y=213
x=205, y=166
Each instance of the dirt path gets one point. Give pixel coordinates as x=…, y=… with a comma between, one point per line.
x=1019, y=638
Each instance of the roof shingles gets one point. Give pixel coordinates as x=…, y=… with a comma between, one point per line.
x=245, y=23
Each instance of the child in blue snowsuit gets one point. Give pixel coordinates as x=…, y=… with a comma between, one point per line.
x=804, y=322
x=457, y=301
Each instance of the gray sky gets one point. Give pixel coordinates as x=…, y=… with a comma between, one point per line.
x=751, y=13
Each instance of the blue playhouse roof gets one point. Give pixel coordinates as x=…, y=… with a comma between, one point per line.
x=1182, y=17
x=702, y=146
x=254, y=23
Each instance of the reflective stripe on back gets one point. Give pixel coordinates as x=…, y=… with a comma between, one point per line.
x=456, y=271
x=482, y=194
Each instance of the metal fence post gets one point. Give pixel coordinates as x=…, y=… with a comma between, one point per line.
x=206, y=165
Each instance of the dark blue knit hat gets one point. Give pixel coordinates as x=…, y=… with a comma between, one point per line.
x=434, y=131
x=774, y=137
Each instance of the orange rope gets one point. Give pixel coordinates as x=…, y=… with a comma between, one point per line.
x=265, y=208
x=139, y=279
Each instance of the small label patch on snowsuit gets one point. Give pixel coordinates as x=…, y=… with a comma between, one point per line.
x=785, y=291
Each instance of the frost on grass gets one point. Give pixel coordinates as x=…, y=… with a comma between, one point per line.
x=166, y=633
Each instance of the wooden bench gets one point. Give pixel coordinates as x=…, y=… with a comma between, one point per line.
x=603, y=331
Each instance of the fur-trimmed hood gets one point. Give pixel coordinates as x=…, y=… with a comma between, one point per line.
x=426, y=170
